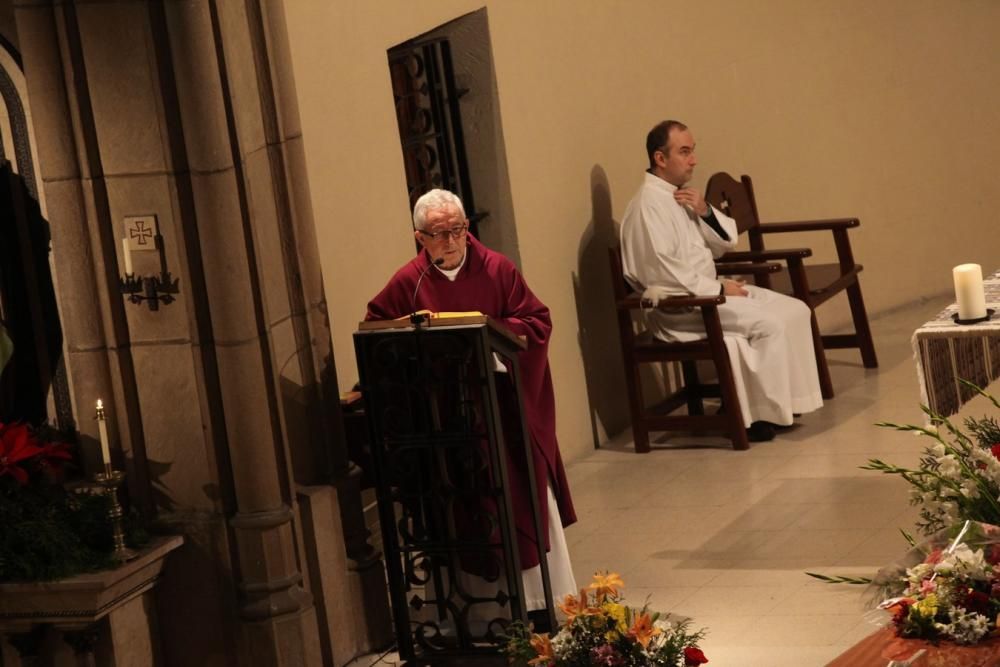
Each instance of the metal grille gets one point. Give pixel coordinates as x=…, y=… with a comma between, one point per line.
x=430, y=124
x=441, y=474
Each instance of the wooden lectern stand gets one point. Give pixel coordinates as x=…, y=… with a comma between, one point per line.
x=445, y=429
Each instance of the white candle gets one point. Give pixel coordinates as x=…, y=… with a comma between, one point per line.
x=969, y=293
x=127, y=254
x=103, y=428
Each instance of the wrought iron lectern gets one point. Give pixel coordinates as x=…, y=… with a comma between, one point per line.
x=446, y=429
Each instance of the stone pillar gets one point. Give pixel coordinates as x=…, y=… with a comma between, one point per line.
x=364, y=576
x=226, y=399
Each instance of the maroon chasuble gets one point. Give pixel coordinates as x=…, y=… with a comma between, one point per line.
x=489, y=283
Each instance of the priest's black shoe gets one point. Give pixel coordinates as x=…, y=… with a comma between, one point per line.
x=539, y=619
x=778, y=428
x=760, y=432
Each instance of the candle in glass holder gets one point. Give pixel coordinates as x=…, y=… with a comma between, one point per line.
x=103, y=428
x=969, y=293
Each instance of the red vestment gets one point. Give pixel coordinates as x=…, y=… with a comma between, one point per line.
x=489, y=283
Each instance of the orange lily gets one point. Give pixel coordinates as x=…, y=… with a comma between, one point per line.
x=642, y=630
x=572, y=606
x=542, y=645
x=606, y=584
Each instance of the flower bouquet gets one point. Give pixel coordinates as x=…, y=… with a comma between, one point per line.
x=944, y=596
x=600, y=630
x=953, y=592
x=958, y=477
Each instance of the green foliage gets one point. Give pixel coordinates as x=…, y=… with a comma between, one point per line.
x=958, y=476
x=840, y=579
x=46, y=531
x=517, y=646
x=985, y=430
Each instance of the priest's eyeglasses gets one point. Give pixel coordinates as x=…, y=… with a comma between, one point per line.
x=457, y=232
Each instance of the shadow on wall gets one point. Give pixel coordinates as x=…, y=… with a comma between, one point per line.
x=595, y=311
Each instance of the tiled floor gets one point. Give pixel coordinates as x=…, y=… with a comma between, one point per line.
x=725, y=537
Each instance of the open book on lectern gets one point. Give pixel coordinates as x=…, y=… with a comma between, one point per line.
x=445, y=319
x=440, y=319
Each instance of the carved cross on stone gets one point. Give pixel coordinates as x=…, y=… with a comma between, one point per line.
x=141, y=231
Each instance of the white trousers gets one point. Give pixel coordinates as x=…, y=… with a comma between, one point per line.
x=560, y=570
x=560, y=576
x=769, y=339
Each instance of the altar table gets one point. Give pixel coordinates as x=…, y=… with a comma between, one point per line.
x=946, y=352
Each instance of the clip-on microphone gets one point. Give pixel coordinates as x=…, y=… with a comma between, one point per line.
x=416, y=319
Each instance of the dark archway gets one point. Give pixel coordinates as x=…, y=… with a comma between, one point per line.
x=27, y=296
x=27, y=303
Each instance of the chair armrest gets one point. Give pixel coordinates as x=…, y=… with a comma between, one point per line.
x=807, y=225
x=743, y=269
x=764, y=255
x=672, y=302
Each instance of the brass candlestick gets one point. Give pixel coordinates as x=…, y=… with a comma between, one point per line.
x=110, y=480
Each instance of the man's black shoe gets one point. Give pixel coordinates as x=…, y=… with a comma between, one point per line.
x=778, y=428
x=760, y=432
x=539, y=619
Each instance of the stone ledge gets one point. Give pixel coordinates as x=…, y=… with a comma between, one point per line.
x=84, y=598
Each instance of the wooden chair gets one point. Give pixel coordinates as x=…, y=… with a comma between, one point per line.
x=812, y=283
x=643, y=348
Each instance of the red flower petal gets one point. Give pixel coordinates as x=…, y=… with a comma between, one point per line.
x=16, y=444
x=694, y=657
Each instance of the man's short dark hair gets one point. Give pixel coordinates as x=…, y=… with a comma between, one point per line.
x=657, y=138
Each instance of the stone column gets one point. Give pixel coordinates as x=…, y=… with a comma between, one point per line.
x=269, y=141
x=169, y=108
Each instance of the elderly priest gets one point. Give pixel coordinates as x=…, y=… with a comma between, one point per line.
x=460, y=274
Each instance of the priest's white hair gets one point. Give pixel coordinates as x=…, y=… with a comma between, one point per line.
x=432, y=200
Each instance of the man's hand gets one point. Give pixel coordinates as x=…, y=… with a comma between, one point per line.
x=692, y=200
x=734, y=287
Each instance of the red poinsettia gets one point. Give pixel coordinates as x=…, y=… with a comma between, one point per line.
x=53, y=456
x=16, y=445
x=694, y=657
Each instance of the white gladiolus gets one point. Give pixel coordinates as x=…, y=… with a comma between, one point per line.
x=949, y=467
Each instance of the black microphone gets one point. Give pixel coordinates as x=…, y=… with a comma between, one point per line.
x=416, y=319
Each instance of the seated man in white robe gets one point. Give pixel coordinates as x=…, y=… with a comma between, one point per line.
x=670, y=237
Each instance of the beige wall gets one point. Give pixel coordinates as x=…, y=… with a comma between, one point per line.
x=880, y=110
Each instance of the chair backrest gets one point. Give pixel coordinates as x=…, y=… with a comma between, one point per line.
x=621, y=286
x=622, y=290
x=734, y=198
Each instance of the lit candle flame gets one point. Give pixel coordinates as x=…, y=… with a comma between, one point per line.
x=103, y=430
